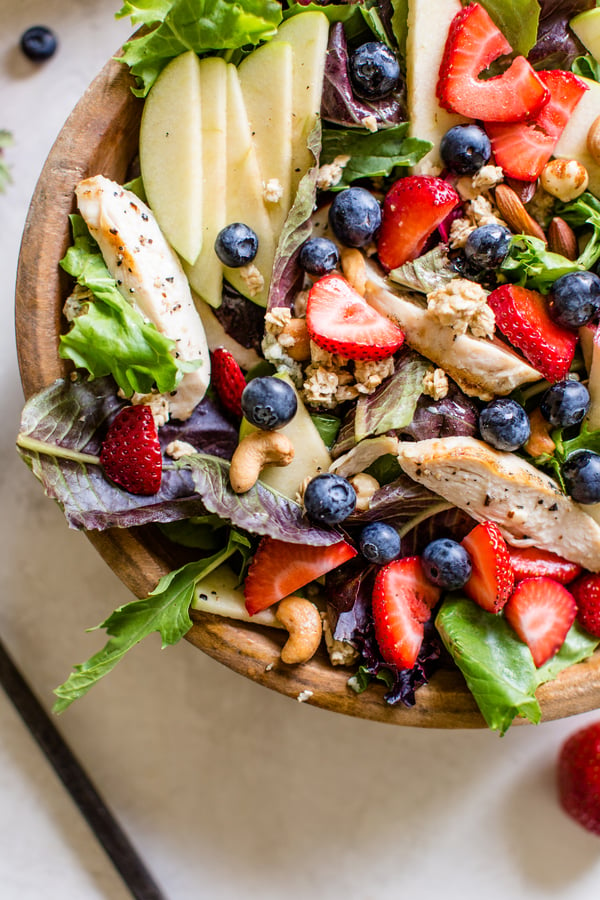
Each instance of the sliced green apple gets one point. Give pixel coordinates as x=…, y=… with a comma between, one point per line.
x=206, y=275
x=171, y=154
x=587, y=28
x=219, y=594
x=572, y=143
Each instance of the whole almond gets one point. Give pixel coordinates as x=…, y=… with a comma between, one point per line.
x=561, y=238
x=514, y=213
x=593, y=140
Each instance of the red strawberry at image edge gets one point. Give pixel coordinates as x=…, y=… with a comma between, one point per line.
x=578, y=777
x=403, y=599
x=341, y=321
x=523, y=318
x=280, y=568
x=492, y=579
x=412, y=210
x=473, y=43
x=131, y=454
x=228, y=380
x=541, y=611
x=530, y=562
x=586, y=591
x=522, y=149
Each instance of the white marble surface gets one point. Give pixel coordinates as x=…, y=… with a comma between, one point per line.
x=229, y=790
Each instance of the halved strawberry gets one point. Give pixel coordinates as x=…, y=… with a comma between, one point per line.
x=403, y=599
x=473, y=43
x=228, y=380
x=412, y=210
x=530, y=562
x=341, y=321
x=586, y=591
x=280, y=568
x=522, y=317
x=492, y=579
x=541, y=611
x=130, y=453
x=579, y=776
x=524, y=148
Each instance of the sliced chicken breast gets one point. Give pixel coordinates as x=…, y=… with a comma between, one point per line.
x=527, y=505
x=150, y=276
x=481, y=367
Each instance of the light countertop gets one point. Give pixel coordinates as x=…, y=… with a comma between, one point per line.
x=228, y=790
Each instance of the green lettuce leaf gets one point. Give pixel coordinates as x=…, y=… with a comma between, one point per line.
x=518, y=21
x=111, y=337
x=198, y=25
x=145, y=12
x=165, y=610
x=400, y=23
x=586, y=67
x=6, y=140
x=393, y=404
x=426, y=273
x=530, y=264
x=335, y=12
x=497, y=666
x=372, y=155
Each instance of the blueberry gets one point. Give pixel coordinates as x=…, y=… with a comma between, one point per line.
x=318, y=256
x=487, y=246
x=269, y=402
x=581, y=473
x=504, y=424
x=374, y=70
x=329, y=499
x=565, y=403
x=379, y=543
x=447, y=564
x=465, y=149
x=236, y=245
x=574, y=299
x=355, y=216
x=38, y=43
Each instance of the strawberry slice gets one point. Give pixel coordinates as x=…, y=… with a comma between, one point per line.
x=341, y=321
x=530, y=562
x=473, y=43
x=280, y=568
x=403, y=599
x=228, y=380
x=412, y=210
x=131, y=454
x=541, y=611
x=492, y=580
x=522, y=317
x=586, y=591
x=579, y=777
x=522, y=149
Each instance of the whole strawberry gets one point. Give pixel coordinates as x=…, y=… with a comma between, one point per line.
x=586, y=591
x=131, y=454
x=579, y=777
x=228, y=380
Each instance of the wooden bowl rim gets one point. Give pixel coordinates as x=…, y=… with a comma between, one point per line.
x=106, y=114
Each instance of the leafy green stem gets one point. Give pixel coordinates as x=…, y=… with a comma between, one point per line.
x=25, y=442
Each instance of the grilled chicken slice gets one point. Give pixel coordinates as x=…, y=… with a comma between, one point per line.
x=527, y=505
x=482, y=368
x=150, y=276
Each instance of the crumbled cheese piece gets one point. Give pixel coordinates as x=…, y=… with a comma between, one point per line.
x=370, y=123
x=273, y=190
x=303, y=696
x=331, y=173
x=435, y=384
x=487, y=177
x=459, y=232
x=481, y=212
x=276, y=320
x=462, y=305
x=369, y=374
x=341, y=653
x=274, y=353
x=176, y=449
x=253, y=279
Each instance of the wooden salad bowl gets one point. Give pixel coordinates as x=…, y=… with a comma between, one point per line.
x=101, y=136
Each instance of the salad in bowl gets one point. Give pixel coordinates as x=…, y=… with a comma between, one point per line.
x=329, y=344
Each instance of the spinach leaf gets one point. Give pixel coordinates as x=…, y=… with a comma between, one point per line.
x=586, y=67
x=518, y=21
x=530, y=264
x=371, y=155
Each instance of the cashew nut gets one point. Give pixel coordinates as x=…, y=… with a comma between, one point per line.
x=253, y=453
x=296, y=341
x=354, y=269
x=303, y=621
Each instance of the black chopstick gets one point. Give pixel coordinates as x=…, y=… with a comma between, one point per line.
x=109, y=833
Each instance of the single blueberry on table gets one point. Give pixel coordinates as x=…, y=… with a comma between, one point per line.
x=355, y=216
x=504, y=424
x=465, y=149
x=565, y=403
x=575, y=299
x=236, y=245
x=38, y=43
x=269, y=402
x=447, y=564
x=379, y=543
x=487, y=246
x=329, y=499
x=374, y=70
x=581, y=473
x=318, y=256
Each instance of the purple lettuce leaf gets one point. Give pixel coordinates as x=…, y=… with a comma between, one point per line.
x=396, y=503
x=451, y=523
x=207, y=429
x=242, y=319
x=454, y=415
x=557, y=46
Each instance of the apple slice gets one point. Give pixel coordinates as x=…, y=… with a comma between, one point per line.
x=206, y=275
x=572, y=143
x=171, y=154
x=593, y=414
x=586, y=26
x=270, y=117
